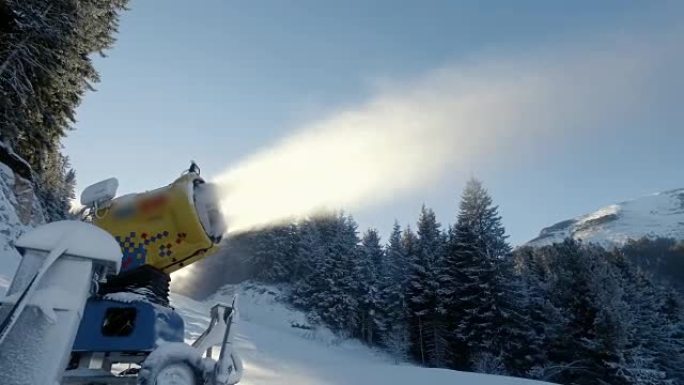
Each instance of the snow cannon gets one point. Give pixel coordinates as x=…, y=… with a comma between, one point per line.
x=159, y=231
x=167, y=228
x=89, y=303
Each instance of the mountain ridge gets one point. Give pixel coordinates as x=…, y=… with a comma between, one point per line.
x=659, y=215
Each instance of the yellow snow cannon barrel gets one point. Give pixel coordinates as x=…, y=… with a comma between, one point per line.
x=167, y=228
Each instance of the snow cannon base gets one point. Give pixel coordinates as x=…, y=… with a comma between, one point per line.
x=126, y=325
x=55, y=328
x=123, y=339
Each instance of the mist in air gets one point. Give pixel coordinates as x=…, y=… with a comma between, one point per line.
x=409, y=135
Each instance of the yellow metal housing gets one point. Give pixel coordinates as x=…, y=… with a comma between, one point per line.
x=160, y=228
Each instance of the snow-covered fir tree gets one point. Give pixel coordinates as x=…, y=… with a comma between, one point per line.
x=45, y=68
x=477, y=285
x=327, y=288
x=467, y=299
x=56, y=183
x=396, y=257
x=409, y=243
x=273, y=252
x=540, y=317
x=671, y=353
x=392, y=311
x=367, y=269
x=635, y=307
x=478, y=211
x=308, y=266
x=428, y=337
x=571, y=288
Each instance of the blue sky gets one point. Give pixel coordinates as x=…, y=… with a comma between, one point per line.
x=217, y=81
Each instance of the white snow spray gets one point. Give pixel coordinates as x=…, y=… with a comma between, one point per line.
x=408, y=136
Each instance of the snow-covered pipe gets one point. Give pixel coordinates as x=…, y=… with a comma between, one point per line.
x=41, y=314
x=221, y=333
x=229, y=367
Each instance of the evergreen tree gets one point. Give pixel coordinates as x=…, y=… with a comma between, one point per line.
x=427, y=333
x=669, y=321
x=367, y=271
x=393, y=279
x=392, y=310
x=478, y=212
x=409, y=244
x=286, y=241
x=309, y=266
x=397, y=257
x=478, y=287
x=329, y=288
x=467, y=297
x=633, y=306
x=45, y=67
x=540, y=317
x=396, y=340
x=55, y=186
x=273, y=253
x=372, y=252
x=571, y=290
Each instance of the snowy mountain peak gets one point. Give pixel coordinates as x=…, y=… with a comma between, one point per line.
x=652, y=216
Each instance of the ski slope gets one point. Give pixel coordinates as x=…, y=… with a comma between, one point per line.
x=275, y=353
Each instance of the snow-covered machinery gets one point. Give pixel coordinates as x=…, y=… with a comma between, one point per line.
x=42, y=311
x=96, y=293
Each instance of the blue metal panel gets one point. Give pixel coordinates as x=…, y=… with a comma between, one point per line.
x=151, y=324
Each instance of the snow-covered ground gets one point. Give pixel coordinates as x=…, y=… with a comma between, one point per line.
x=657, y=215
x=276, y=353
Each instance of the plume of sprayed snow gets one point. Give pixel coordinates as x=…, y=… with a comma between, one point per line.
x=408, y=136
